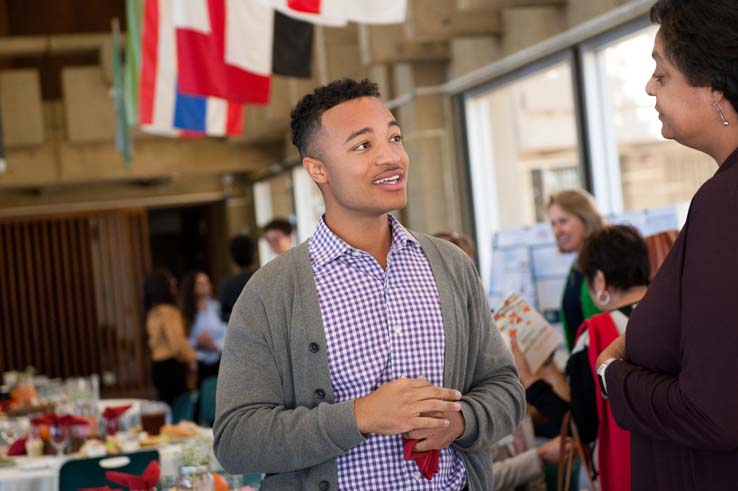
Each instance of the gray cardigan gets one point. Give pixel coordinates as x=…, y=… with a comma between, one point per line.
x=275, y=411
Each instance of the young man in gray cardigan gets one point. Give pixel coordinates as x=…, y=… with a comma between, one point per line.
x=366, y=340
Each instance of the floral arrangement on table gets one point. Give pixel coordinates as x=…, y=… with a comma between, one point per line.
x=198, y=451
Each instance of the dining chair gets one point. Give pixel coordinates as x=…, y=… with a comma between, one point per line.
x=183, y=408
x=90, y=473
x=207, y=401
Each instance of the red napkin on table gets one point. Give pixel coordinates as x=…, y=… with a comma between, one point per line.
x=427, y=461
x=147, y=480
x=59, y=419
x=115, y=412
x=18, y=447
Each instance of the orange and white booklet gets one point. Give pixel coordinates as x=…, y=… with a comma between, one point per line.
x=536, y=337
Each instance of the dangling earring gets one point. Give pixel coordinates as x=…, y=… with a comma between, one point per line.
x=722, y=116
x=603, y=297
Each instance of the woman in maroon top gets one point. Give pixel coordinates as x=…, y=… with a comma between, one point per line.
x=673, y=381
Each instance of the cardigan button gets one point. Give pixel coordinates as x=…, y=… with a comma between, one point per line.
x=324, y=486
x=320, y=394
x=314, y=348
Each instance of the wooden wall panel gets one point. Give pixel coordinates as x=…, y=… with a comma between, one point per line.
x=70, y=302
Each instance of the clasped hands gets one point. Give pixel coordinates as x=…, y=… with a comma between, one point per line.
x=414, y=408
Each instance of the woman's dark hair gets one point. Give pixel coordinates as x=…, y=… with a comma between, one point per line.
x=242, y=250
x=188, y=299
x=157, y=289
x=620, y=253
x=700, y=37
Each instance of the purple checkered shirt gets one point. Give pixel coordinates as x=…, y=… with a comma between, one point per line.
x=381, y=325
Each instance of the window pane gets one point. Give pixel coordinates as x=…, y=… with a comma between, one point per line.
x=532, y=141
x=654, y=172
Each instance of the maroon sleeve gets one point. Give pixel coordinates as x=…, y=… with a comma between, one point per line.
x=698, y=406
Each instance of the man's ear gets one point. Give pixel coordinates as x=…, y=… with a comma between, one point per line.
x=315, y=169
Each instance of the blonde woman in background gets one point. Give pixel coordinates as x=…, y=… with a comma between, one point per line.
x=573, y=215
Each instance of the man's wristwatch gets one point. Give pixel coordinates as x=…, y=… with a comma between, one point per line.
x=601, y=376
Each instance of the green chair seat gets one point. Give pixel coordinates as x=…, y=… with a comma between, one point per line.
x=89, y=473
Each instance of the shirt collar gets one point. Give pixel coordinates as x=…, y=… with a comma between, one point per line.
x=325, y=246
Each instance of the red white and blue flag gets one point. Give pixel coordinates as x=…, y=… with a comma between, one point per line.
x=230, y=48
x=163, y=107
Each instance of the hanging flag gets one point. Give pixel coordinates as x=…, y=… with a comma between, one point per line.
x=204, y=65
x=340, y=12
x=134, y=9
x=164, y=109
x=122, y=134
x=230, y=48
x=292, y=51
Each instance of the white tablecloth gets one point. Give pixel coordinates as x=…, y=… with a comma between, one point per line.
x=32, y=474
x=42, y=473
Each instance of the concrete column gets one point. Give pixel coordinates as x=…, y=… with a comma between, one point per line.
x=432, y=187
x=526, y=26
x=470, y=53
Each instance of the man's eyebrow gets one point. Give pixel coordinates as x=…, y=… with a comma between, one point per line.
x=369, y=130
x=655, y=55
x=356, y=133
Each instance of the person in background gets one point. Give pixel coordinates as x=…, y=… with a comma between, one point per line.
x=367, y=344
x=615, y=263
x=573, y=215
x=202, y=317
x=171, y=354
x=242, y=252
x=672, y=381
x=278, y=234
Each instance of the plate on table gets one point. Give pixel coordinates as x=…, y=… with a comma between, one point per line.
x=35, y=463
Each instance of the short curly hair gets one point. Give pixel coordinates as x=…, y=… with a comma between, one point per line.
x=701, y=39
x=305, y=118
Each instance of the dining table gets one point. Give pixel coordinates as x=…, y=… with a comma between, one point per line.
x=24, y=473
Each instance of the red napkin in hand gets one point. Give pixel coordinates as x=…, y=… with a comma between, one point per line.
x=147, y=480
x=427, y=461
x=18, y=447
x=115, y=412
x=59, y=419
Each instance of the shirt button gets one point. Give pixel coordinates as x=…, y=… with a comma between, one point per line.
x=314, y=348
x=320, y=394
x=417, y=476
x=324, y=486
x=356, y=253
x=398, y=330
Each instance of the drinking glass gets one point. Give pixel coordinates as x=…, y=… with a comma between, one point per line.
x=59, y=437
